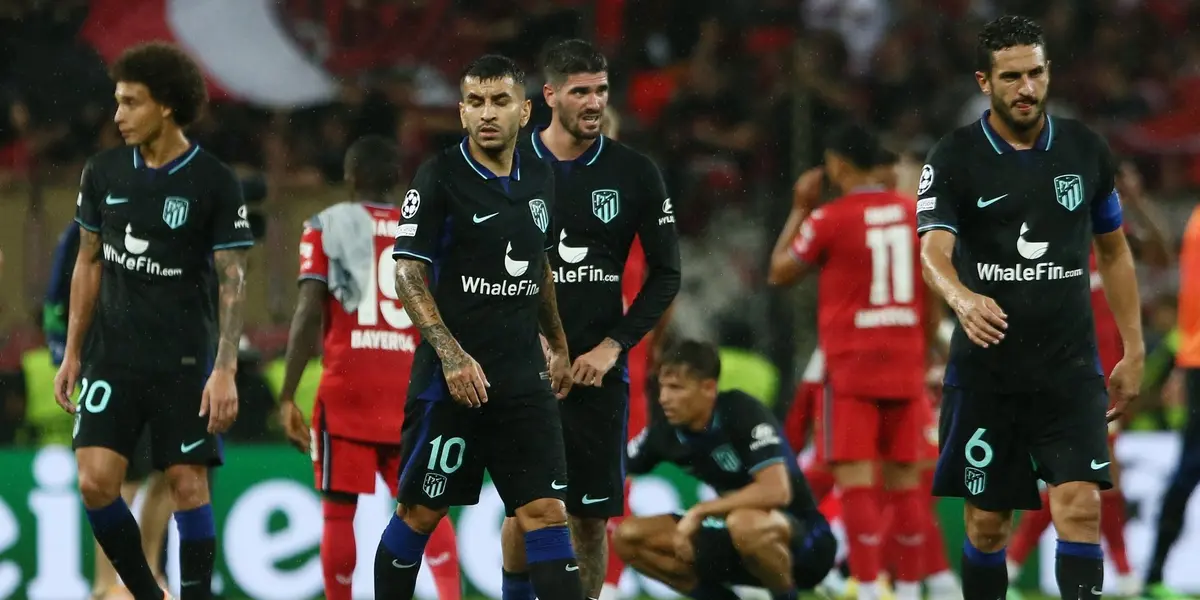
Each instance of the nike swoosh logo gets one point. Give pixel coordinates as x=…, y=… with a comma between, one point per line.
x=587, y=500
x=189, y=583
x=478, y=219
x=185, y=448
x=110, y=200
x=572, y=567
x=557, y=486
x=1096, y=465
x=984, y=204
x=396, y=563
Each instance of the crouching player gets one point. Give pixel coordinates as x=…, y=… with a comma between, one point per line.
x=764, y=529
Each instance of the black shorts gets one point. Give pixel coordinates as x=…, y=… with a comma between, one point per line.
x=140, y=464
x=595, y=424
x=447, y=446
x=813, y=547
x=116, y=407
x=995, y=446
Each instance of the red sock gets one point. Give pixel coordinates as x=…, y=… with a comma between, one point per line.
x=337, y=548
x=441, y=556
x=860, y=516
x=1112, y=528
x=910, y=513
x=1029, y=531
x=820, y=481
x=612, y=576
x=935, y=544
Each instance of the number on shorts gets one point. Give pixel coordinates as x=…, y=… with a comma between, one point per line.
x=89, y=392
x=976, y=441
x=891, y=264
x=444, y=453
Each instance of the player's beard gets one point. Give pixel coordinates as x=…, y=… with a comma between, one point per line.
x=574, y=126
x=1007, y=113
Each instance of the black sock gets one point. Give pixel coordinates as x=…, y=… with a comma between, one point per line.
x=515, y=586
x=711, y=591
x=117, y=533
x=552, y=566
x=984, y=574
x=1079, y=568
x=398, y=560
x=1170, y=525
x=197, y=552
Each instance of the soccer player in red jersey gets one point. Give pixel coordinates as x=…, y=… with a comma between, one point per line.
x=346, y=283
x=870, y=327
x=1151, y=242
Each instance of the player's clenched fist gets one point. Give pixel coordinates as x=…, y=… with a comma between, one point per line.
x=981, y=318
x=465, y=378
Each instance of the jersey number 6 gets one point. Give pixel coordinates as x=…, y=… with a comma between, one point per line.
x=976, y=443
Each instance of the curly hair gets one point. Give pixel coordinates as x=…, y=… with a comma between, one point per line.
x=173, y=78
x=1006, y=32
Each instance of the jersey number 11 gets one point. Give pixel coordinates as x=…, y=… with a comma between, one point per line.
x=891, y=264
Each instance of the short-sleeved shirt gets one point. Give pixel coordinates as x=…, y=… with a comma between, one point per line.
x=361, y=394
x=1024, y=222
x=486, y=238
x=159, y=228
x=870, y=295
x=741, y=439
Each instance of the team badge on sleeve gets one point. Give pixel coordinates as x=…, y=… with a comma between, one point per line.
x=926, y=181
x=541, y=216
x=412, y=202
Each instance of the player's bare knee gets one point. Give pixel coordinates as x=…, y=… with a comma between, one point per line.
x=752, y=529
x=421, y=519
x=626, y=539
x=542, y=513
x=1075, y=508
x=901, y=476
x=988, y=531
x=853, y=474
x=97, y=489
x=189, y=486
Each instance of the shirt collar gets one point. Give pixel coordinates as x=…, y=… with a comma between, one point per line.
x=1043, y=143
x=588, y=157
x=176, y=163
x=485, y=172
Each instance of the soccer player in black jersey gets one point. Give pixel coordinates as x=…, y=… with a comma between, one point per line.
x=607, y=193
x=764, y=530
x=155, y=315
x=1008, y=209
x=472, y=272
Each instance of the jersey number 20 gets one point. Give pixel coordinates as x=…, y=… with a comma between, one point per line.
x=891, y=264
x=380, y=297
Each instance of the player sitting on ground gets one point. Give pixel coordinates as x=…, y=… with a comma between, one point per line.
x=346, y=282
x=157, y=295
x=764, y=530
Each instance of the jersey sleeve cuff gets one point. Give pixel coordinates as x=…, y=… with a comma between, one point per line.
x=91, y=228
x=766, y=463
x=233, y=245
x=932, y=226
x=405, y=254
x=313, y=276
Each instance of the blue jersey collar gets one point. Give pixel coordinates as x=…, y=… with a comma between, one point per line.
x=1043, y=143
x=586, y=159
x=485, y=172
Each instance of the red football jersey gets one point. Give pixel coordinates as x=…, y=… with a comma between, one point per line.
x=1108, y=337
x=639, y=355
x=870, y=296
x=368, y=353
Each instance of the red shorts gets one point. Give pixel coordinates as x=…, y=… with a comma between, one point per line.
x=349, y=466
x=929, y=431
x=855, y=429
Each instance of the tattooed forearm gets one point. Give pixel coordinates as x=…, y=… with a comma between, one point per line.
x=421, y=309
x=85, y=290
x=548, y=318
x=231, y=282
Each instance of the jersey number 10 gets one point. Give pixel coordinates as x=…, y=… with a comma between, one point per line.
x=891, y=264
x=379, y=296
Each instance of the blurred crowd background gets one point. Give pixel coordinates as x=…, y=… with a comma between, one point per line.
x=730, y=98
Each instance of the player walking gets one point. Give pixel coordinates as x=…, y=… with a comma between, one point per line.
x=346, y=282
x=157, y=290
x=764, y=530
x=1009, y=208
x=472, y=273
x=869, y=321
x=607, y=195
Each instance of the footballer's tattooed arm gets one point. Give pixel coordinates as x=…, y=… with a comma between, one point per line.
x=231, y=283
x=85, y=290
x=548, y=319
x=464, y=377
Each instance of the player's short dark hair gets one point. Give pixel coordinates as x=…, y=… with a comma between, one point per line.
x=856, y=144
x=700, y=358
x=569, y=57
x=494, y=66
x=886, y=158
x=374, y=163
x=1006, y=32
x=173, y=78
